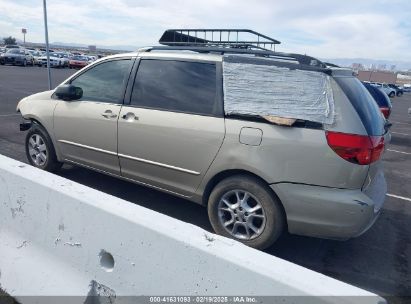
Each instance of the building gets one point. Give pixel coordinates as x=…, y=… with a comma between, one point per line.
x=377, y=76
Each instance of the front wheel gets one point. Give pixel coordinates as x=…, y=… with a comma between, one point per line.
x=243, y=208
x=40, y=150
x=392, y=94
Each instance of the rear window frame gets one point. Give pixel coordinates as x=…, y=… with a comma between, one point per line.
x=356, y=103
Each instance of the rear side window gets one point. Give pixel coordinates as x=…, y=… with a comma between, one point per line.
x=364, y=104
x=177, y=86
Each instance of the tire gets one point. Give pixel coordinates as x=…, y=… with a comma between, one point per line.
x=39, y=142
x=267, y=217
x=392, y=94
x=24, y=63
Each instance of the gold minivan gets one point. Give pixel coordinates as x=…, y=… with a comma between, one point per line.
x=157, y=117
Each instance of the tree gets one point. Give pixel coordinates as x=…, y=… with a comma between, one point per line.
x=9, y=40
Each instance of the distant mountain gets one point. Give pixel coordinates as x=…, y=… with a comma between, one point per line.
x=346, y=62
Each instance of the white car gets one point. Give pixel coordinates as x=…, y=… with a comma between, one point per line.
x=55, y=62
x=65, y=58
x=386, y=88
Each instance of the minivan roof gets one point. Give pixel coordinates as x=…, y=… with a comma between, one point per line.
x=216, y=54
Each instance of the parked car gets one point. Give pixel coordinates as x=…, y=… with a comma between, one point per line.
x=399, y=90
x=36, y=55
x=55, y=62
x=16, y=56
x=29, y=57
x=388, y=90
x=158, y=118
x=381, y=98
x=78, y=62
x=65, y=61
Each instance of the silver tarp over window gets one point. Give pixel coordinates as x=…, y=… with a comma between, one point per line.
x=266, y=87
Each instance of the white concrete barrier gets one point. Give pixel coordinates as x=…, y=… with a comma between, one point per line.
x=58, y=237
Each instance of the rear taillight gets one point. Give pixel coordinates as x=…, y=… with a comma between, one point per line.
x=358, y=149
x=386, y=112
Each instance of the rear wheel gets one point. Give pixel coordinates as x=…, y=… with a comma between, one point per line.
x=243, y=208
x=40, y=150
x=392, y=94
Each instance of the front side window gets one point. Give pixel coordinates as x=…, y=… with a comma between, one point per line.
x=105, y=82
x=178, y=86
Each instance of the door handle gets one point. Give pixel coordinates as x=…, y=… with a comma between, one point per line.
x=109, y=114
x=130, y=116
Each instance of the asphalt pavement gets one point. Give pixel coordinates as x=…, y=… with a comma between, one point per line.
x=379, y=260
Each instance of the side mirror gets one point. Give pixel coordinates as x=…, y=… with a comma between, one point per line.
x=68, y=92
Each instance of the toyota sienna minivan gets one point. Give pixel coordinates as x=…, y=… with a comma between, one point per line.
x=157, y=117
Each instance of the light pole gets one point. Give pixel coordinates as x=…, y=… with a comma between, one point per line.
x=47, y=42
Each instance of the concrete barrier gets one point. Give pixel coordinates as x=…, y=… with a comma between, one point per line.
x=58, y=237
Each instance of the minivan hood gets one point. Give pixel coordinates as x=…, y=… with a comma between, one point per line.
x=38, y=96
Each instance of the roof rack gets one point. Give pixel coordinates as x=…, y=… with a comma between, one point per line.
x=301, y=59
x=232, y=38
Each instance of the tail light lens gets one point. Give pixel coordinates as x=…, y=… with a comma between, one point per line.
x=357, y=149
x=386, y=112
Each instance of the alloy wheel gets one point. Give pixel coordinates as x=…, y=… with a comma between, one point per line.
x=241, y=214
x=38, y=150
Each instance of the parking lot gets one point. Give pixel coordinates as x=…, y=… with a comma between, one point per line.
x=379, y=260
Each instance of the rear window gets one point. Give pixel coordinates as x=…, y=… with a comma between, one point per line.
x=364, y=104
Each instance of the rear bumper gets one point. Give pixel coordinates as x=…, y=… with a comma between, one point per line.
x=329, y=212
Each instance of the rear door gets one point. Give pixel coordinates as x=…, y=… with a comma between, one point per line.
x=173, y=127
x=86, y=129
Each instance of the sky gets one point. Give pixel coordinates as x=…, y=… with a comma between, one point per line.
x=378, y=29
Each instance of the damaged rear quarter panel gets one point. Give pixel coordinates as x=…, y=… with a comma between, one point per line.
x=286, y=154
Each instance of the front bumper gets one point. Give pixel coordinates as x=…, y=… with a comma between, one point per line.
x=44, y=63
x=25, y=124
x=330, y=212
x=11, y=60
